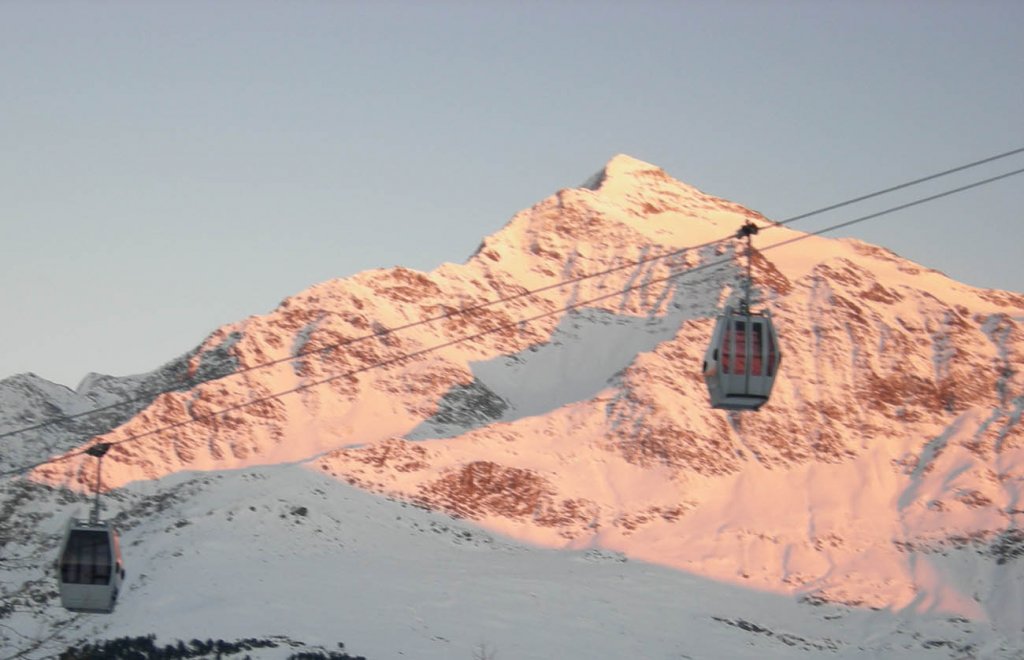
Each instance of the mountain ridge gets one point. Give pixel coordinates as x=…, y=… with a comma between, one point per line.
x=886, y=472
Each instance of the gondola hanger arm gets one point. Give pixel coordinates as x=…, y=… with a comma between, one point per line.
x=747, y=230
x=98, y=450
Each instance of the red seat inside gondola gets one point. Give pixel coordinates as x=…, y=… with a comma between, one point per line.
x=756, y=348
x=734, y=342
x=736, y=354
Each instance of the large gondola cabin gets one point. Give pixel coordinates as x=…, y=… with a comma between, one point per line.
x=742, y=360
x=90, y=569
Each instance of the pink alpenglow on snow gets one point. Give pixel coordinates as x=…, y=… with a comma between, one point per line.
x=886, y=471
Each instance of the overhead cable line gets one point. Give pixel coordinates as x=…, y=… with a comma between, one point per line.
x=509, y=325
x=916, y=202
x=483, y=305
x=901, y=186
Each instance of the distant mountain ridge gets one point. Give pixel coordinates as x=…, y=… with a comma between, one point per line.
x=886, y=472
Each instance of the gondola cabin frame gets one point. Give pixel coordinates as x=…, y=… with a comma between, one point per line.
x=742, y=360
x=89, y=568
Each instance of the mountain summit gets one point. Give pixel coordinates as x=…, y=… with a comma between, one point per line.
x=548, y=390
x=622, y=166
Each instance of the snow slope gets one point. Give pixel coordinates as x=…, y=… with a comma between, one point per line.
x=285, y=551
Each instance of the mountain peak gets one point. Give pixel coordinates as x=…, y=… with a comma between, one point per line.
x=621, y=166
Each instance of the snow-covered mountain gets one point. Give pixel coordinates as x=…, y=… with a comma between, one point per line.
x=872, y=507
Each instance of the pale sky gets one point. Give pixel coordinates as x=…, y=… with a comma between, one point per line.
x=168, y=167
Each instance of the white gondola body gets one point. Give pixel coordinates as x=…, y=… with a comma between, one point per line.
x=89, y=569
x=742, y=361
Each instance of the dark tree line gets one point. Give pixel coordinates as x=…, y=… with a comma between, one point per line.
x=145, y=648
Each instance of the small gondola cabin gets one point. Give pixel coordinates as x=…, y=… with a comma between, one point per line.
x=90, y=569
x=742, y=361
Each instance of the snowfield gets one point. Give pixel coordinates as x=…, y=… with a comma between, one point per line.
x=285, y=551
